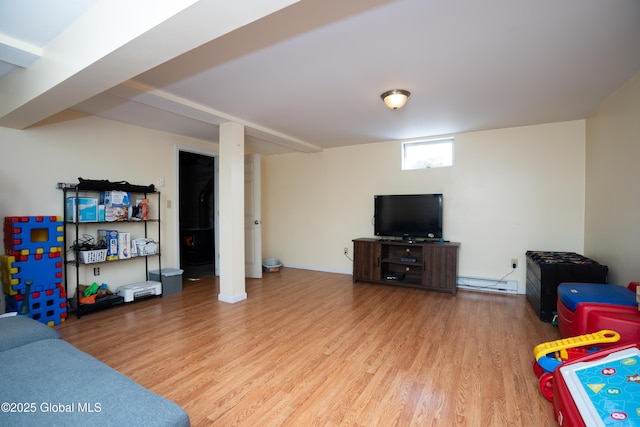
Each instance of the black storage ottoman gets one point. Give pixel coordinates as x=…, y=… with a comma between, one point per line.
x=546, y=270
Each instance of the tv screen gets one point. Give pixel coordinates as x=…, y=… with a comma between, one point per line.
x=408, y=216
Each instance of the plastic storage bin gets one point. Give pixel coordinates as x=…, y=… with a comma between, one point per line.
x=146, y=246
x=171, y=279
x=89, y=257
x=271, y=265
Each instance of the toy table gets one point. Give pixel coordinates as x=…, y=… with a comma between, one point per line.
x=600, y=389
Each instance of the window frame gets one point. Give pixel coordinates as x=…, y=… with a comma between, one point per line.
x=426, y=142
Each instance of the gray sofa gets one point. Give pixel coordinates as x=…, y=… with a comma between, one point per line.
x=47, y=381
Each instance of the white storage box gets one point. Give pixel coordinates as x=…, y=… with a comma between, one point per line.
x=136, y=291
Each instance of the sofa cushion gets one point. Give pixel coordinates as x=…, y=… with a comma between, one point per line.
x=19, y=330
x=65, y=386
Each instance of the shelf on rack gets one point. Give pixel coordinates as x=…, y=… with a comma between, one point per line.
x=73, y=227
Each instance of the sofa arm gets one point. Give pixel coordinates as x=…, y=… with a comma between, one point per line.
x=16, y=331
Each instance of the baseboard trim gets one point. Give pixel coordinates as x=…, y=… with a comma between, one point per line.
x=316, y=268
x=232, y=299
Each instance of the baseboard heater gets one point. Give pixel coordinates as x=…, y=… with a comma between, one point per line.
x=490, y=285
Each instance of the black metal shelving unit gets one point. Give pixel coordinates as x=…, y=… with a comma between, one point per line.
x=74, y=226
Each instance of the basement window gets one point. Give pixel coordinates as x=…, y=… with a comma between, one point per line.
x=434, y=153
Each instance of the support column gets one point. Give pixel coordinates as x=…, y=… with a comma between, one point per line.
x=231, y=206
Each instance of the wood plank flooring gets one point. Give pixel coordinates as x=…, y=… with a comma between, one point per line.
x=313, y=349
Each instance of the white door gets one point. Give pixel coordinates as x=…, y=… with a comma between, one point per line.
x=252, y=217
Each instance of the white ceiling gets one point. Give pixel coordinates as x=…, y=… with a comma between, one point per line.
x=28, y=26
x=309, y=76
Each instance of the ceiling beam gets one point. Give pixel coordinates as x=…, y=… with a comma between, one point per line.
x=17, y=52
x=152, y=97
x=115, y=41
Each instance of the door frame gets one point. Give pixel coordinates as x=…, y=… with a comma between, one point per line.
x=216, y=216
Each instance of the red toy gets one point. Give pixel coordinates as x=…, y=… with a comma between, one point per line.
x=550, y=355
x=585, y=308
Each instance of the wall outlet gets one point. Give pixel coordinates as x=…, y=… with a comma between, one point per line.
x=514, y=263
x=96, y=271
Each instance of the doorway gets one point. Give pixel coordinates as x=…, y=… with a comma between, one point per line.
x=197, y=209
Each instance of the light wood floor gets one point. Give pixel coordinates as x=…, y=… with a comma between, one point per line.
x=310, y=348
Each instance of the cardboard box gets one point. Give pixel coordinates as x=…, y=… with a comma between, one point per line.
x=116, y=213
x=87, y=209
x=110, y=237
x=124, y=245
x=115, y=198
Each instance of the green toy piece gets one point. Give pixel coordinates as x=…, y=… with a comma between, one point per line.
x=91, y=289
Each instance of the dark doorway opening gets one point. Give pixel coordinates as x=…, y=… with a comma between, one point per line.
x=197, y=207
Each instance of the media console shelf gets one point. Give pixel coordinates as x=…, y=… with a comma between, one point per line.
x=425, y=265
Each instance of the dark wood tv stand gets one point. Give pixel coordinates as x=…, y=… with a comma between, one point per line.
x=425, y=265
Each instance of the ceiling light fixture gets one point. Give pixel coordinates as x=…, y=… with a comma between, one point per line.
x=395, y=98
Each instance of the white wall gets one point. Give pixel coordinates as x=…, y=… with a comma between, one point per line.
x=32, y=161
x=511, y=190
x=612, y=231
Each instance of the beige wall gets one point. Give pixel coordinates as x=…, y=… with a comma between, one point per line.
x=510, y=190
x=32, y=161
x=612, y=229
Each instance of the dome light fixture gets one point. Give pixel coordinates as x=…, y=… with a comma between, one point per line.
x=395, y=98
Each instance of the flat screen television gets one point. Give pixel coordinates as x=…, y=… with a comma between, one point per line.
x=410, y=216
